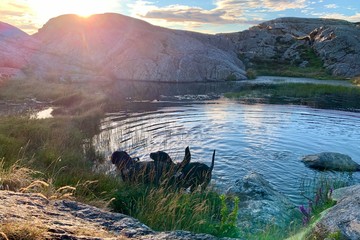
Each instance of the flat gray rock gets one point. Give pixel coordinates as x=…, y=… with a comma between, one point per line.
x=331, y=161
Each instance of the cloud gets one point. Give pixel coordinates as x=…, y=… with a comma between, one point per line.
x=179, y=13
x=224, y=12
x=351, y=18
x=18, y=14
x=333, y=6
x=280, y=5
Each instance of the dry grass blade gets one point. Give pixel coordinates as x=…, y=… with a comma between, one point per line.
x=15, y=177
x=22, y=231
x=3, y=236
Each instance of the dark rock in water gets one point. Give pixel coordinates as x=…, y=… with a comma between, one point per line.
x=331, y=161
x=261, y=204
x=343, y=218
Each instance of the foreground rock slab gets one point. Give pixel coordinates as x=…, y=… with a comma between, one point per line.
x=260, y=204
x=344, y=217
x=65, y=219
x=331, y=161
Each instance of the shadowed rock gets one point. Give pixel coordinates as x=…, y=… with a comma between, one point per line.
x=331, y=161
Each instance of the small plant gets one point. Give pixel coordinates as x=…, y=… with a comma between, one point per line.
x=231, y=77
x=251, y=73
x=356, y=80
x=321, y=199
x=227, y=226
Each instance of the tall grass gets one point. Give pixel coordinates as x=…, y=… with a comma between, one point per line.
x=165, y=210
x=315, y=95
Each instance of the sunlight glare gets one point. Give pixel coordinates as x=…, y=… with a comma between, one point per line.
x=46, y=9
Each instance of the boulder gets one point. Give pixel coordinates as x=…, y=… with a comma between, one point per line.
x=344, y=218
x=260, y=204
x=67, y=219
x=331, y=161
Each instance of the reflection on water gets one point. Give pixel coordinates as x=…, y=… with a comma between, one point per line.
x=268, y=139
x=47, y=113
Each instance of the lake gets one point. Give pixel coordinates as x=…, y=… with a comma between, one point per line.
x=268, y=139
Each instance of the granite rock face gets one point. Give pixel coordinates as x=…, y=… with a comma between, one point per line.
x=124, y=48
x=16, y=50
x=286, y=40
x=331, y=161
x=115, y=47
x=65, y=219
x=261, y=204
x=344, y=217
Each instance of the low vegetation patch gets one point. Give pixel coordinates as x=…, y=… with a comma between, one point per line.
x=314, y=95
x=22, y=231
x=312, y=68
x=356, y=80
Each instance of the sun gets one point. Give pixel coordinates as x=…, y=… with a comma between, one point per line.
x=46, y=9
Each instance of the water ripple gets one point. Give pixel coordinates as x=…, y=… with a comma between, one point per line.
x=269, y=139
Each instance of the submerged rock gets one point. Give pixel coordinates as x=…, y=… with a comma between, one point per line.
x=331, y=161
x=260, y=204
x=344, y=218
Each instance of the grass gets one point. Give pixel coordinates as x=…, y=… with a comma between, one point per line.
x=279, y=67
x=314, y=95
x=22, y=231
x=318, y=192
x=49, y=156
x=165, y=210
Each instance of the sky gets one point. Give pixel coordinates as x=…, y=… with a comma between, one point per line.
x=208, y=16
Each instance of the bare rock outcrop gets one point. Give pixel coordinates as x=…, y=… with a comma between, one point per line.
x=65, y=219
x=16, y=50
x=287, y=40
x=343, y=219
x=124, y=48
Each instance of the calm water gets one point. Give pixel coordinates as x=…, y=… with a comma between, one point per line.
x=268, y=139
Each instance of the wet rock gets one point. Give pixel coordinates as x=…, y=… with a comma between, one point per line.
x=331, y=161
x=343, y=218
x=66, y=219
x=260, y=204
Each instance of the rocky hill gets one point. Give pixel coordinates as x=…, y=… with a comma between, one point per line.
x=122, y=48
x=289, y=40
x=113, y=46
x=16, y=50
